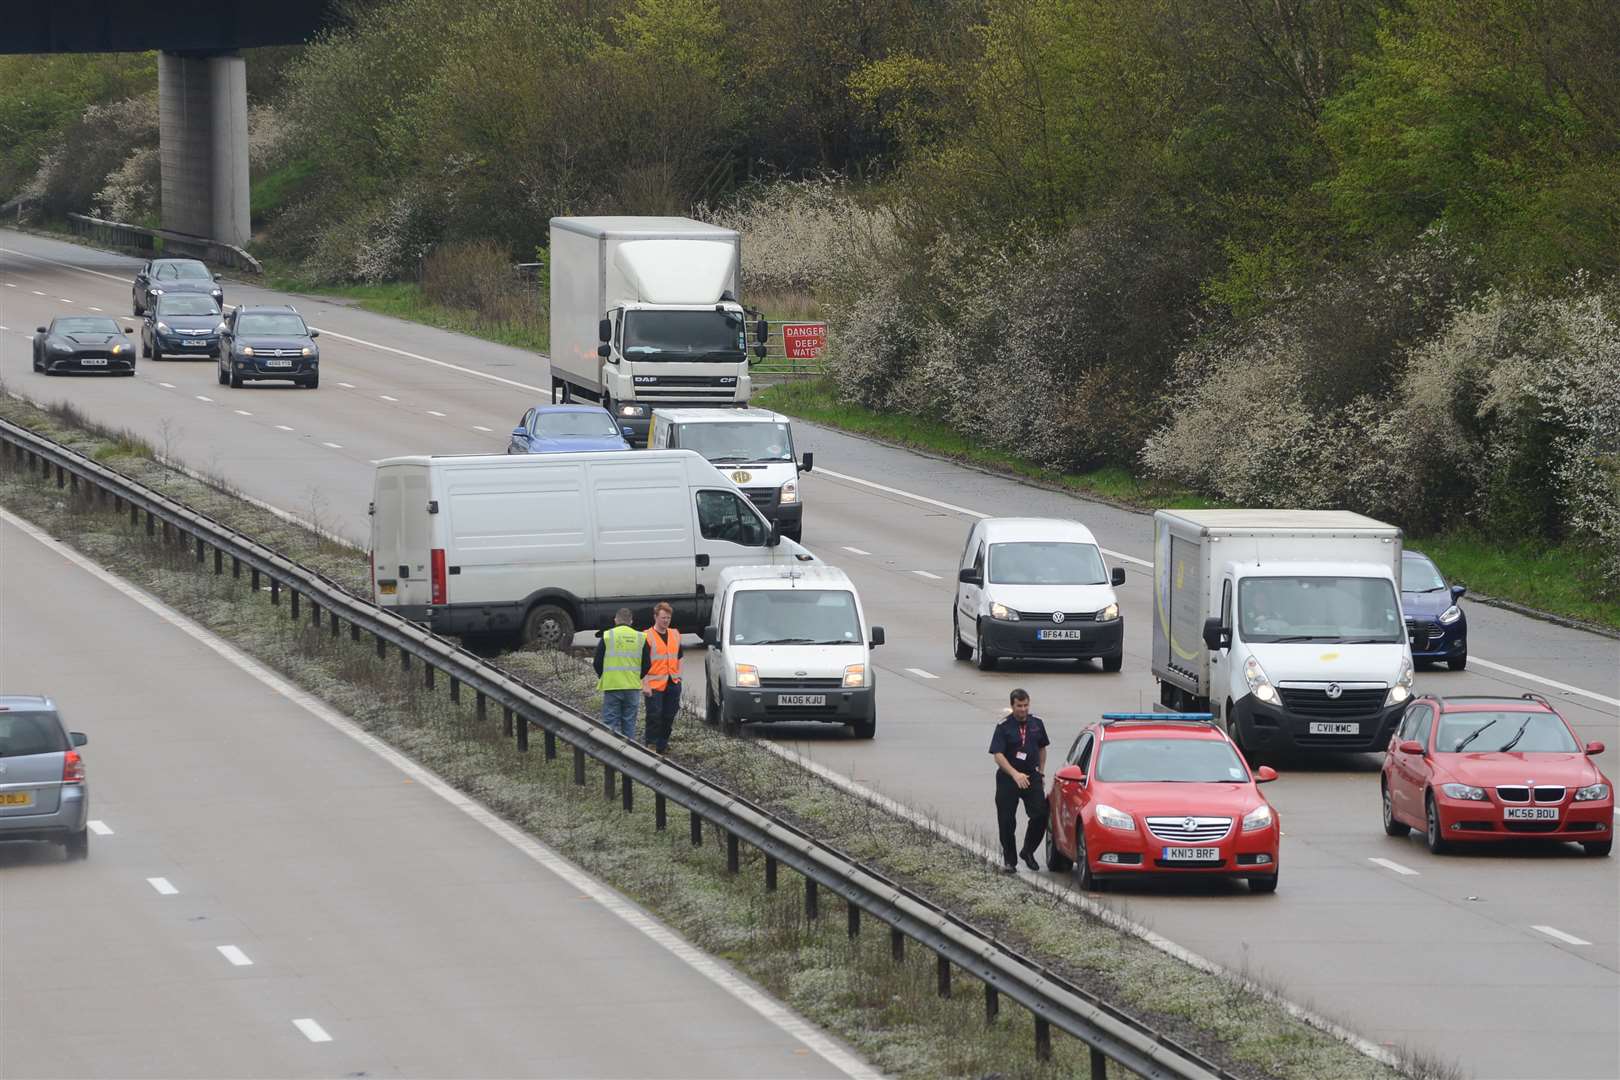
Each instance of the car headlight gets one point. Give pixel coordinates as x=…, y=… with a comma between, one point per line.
x=63, y=349
x=1403, y=685
x=1592, y=791
x=855, y=675
x=1463, y=791
x=116, y=349
x=307, y=351
x=163, y=327
x=1001, y=611
x=218, y=295
x=1450, y=615
x=1115, y=819
x=1259, y=685
x=247, y=350
x=157, y=292
x=632, y=410
x=747, y=675
x=1258, y=818
x=1109, y=613
x=790, y=493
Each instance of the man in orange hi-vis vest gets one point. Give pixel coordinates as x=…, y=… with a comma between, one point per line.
x=662, y=684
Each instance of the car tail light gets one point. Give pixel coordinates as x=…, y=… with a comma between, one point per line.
x=72, y=768
x=439, y=589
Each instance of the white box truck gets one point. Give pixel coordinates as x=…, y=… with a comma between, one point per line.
x=752, y=446
x=544, y=545
x=1287, y=623
x=645, y=312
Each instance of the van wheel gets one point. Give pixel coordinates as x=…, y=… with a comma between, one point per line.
x=711, y=706
x=1115, y=662
x=729, y=723
x=78, y=844
x=962, y=649
x=865, y=729
x=982, y=654
x=549, y=627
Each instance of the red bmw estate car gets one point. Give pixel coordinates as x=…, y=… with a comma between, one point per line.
x=1161, y=793
x=1481, y=769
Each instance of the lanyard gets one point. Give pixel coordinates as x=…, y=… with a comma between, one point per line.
x=1023, y=743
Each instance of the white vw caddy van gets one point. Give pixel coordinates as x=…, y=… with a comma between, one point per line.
x=1036, y=587
x=790, y=643
x=544, y=545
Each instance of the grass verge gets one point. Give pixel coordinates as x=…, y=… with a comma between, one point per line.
x=889, y=1012
x=1558, y=579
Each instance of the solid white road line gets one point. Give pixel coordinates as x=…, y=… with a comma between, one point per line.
x=926, y=574
x=716, y=972
x=312, y=1031
x=70, y=266
x=99, y=827
x=161, y=884
x=855, y=550
x=234, y=955
x=1504, y=669
x=385, y=397
x=1390, y=864
x=921, y=674
x=430, y=360
x=1567, y=939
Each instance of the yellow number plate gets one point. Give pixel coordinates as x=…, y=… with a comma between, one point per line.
x=16, y=798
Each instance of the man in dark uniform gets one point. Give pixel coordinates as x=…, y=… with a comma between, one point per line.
x=1019, y=747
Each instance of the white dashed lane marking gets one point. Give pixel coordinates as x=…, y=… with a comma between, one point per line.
x=385, y=397
x=1558, y=935
x=93, y=308
x=1390, y=864
x=36, y=292
x=333, y=445
x=312, y=1031
x=926, y=574
x=234, y=955
x=201, y=397
x=855, y=550
x=433, y=412
x=921, y=674
x=347, y=385
x=242, y=412
x=481, y=427
x=283, y=427
x=99, y=827
x=161, y=884
x=168, y=385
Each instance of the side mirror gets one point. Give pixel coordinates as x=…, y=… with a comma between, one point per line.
x=1594, y=748
x=1118, y=576
x=79, y=738
x=759, y=352
x=1265, y=774
x=627, y=430
x=809, y=461
x=970, y=576
x=40, y=330
x=219, y=277
x=762, y=334
x=877, y=637
x=520, y=433
x=711, y=636
x=1216, y=636
x=604, y=330
x=1458, y=591
x=1071, y=774
x=129, y=329
x=775, y=539
x=1411, y=746
x=314, y=333
x=603, y=350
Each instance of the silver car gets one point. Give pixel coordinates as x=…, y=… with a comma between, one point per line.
x=43, y=793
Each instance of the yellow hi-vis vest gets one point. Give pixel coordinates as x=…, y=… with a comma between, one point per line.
x=621, y=659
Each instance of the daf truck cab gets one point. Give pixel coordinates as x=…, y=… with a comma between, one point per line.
x=1284, y=623
x=645, y=313
x=752, y=446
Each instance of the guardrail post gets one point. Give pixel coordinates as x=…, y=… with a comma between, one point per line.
x=482, y=707
x=61, y=476
x=770, y=873
x=315, y=614
x=732, y=853
x=944, y=972
x=427, y=675
x=523, y=734
x=1043, y=1040
x=627, y=789
x=506, y=720
x=151, y=524
x=455, y=690
x=382, y=647
x=812, y=896
x=404, y=660
x=294, y=593
x=1099, y=1064
x=166, y=540
x=199, y=549
x=354, y=632
x=236, y=567
x=73, y=483
x=551, y=745
x=697, y=830
x=992, y=1003
x=854, y=917
x=332, y=617
x=607, y=781
x=254, y=580
x=219, y=562
x=275, y=592
x=134, y=514
x=579, y=767
x=897, y=944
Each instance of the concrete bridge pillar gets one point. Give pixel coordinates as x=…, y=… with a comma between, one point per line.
x=202, y=137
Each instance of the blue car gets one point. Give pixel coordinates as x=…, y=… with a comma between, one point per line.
x=552, y=429
x=1434, y=619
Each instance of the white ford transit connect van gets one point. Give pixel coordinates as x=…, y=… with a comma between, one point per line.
x=790, y=643
x=544, y=545
x=1036, y=587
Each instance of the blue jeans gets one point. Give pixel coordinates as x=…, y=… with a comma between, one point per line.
x=619, y=708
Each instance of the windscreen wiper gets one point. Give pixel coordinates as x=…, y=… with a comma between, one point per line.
x=784, y=641
x=1296, y=638
x=1517, y=735
x=1472, y=735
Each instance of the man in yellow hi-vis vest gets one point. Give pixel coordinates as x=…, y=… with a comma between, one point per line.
x=662, y=682
x=621, y=662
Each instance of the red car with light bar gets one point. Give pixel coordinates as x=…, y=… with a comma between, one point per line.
x=1145, y=794
x=1482, y=769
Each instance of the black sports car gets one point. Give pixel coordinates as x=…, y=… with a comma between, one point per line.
x=162, y=277
x=84, y=343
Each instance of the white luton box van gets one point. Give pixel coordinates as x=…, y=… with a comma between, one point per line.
x=546, y=545
x=1286, y=622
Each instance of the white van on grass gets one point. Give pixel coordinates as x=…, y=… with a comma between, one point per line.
x=542, y=546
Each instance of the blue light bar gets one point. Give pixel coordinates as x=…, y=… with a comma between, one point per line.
x=1158, y=716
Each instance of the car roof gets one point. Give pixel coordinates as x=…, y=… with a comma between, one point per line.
x=26, y=703
x=267, y=309
x=1033, y=528
x=721, y=416
x=550, y=409
x=1490, y=703
x=779, y=577
x=176, y=262
x=1160, y=728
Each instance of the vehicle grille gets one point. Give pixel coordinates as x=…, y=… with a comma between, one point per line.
x=686, y=380
x=257, y=353
x=1532, y=826
x=1304, y=702
x=192, y=333
x=1549, y=794
x=1421, y=630
x=1204, y=830
x=764, y=498
x=833, y=683
x=1513, y=794
x=1068, y=616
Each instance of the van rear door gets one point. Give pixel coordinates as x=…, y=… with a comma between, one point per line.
x=385, y=536
x=412, y=559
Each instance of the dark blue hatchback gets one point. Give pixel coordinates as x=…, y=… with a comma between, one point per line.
x=1435, y=622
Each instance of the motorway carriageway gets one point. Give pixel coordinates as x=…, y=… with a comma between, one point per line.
x=1505, y=960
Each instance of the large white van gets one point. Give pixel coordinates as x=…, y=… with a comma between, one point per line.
x=752, y=446
x=790, y=643
x=545, y=545
x=1036, y=587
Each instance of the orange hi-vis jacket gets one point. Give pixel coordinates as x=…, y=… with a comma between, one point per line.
x=666, y=658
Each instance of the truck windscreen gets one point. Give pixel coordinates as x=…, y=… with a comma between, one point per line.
x=684, y=335
x=737, y=443
x=1337, y=610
